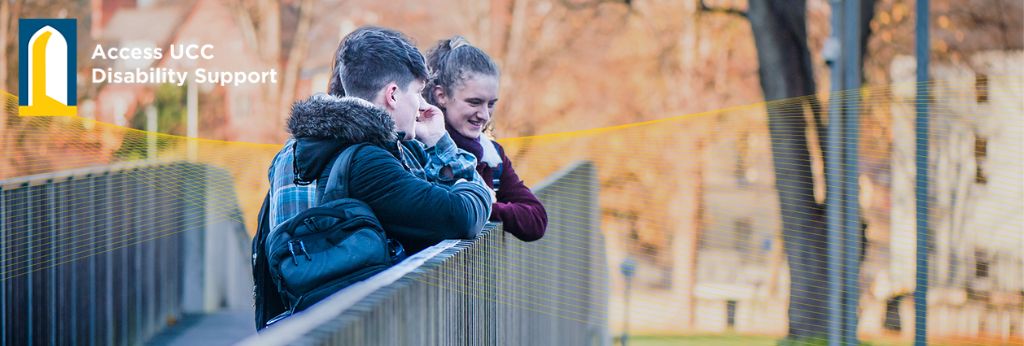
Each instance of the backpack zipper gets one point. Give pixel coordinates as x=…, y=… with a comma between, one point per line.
x=291, y=249
x=302, y=246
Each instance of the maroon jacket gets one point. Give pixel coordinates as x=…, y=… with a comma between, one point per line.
x=517, y=208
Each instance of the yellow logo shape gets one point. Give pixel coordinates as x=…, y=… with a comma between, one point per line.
x=48, y=75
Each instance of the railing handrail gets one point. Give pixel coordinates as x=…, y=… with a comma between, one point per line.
x=88, y=171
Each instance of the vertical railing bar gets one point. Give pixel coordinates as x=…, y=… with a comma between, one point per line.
x=128, y=187
x=135, y=334
x=3, y=268
x=28, y=265
x=52, y=270
x=109, y=278
x=91, y=188
x=71, y=269
x=149, y=267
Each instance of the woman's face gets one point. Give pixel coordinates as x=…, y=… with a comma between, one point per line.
x=470, y=106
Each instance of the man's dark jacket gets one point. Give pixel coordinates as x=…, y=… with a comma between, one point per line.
x=388, y=175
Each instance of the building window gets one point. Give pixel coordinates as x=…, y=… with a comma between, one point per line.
x=980, y=264
x=980, y=153
x=730, y=314
x=981, y=88
x=744, y=231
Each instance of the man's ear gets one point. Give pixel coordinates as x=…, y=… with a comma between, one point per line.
x=390, y=99
x=440, y=96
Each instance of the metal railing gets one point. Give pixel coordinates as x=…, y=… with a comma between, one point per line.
x=110, y=255
x=491, y=290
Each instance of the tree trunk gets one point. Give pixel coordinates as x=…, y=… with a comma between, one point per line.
x=5, y=18
x=780, y=34
x=786, y=71
x=5, y=111
x=297, y=53
x=269, y=29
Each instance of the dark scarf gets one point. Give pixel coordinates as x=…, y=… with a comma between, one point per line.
x=472, y=145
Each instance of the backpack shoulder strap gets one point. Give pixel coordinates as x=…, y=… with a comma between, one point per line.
x=267, y=301
x=499, y=170
x=337, y=180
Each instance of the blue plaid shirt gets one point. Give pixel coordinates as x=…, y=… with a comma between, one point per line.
x=288, y=199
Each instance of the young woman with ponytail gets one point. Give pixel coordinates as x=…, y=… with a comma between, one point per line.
x=464, y=84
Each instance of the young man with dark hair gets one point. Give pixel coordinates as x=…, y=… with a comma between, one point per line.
x=421, y=187
x=423, y=190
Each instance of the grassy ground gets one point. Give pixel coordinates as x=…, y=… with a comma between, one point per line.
x=748, y=340
x=723, y=340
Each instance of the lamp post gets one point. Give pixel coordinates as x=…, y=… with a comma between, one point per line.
x=922, y=49
x=628, y=268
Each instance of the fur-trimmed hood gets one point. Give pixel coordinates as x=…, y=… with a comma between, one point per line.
x=348, y=119
x=323, y=125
